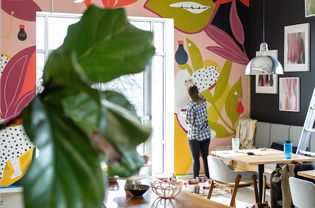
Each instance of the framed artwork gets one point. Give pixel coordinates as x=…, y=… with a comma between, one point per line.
x=309, y=8
x=267, y=83
x=289, y=94
x=297, y=47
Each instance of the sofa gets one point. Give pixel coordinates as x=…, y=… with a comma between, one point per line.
x=272, y=134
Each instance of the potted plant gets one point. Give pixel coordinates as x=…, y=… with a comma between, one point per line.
x=73, y=125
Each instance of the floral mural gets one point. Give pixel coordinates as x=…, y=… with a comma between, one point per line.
x=220, y=84
x=197, y=16
x=209, y=50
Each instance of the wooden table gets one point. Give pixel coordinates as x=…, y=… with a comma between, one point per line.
x=307, y=174
x=261, y=157
x=119, y=198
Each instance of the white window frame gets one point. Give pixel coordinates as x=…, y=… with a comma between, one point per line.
x=168, y=84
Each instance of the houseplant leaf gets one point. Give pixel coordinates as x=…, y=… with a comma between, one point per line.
x=64, y=135
x=129, y=162
x=122, y=128
x=231, y=104
x=104, y=53
x=67, y=172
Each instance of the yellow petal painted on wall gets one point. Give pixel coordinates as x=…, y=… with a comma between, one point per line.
x=25, y=160
x=182, y=157
x=211, y=63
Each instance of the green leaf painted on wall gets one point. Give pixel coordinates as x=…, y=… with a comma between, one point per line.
x=208, y=96
x=235, y=93
x=189, y=16
x=222, y=80
x=220, y=130
x=185, y=67
x=213, y=114
x=194, y=54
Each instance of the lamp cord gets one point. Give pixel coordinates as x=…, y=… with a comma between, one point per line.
x=263, y=21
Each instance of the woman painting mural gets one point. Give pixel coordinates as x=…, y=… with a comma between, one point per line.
x=199, y=133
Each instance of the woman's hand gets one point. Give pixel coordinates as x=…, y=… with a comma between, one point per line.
x=183, y=112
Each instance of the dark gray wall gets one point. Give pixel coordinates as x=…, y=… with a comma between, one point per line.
x=279, y=13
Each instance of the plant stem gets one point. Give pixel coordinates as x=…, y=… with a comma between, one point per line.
x=189, y=69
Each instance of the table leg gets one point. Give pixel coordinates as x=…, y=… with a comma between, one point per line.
x=261, y=169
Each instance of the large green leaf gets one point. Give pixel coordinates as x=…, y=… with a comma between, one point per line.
x=129, y=163
x=195, y=55
x=235, y=93
x=102, y=46
x=220, y=130
x=121, y=127
x=222, y=80
x=67, y=172
x=82, y=110
x=121, y=100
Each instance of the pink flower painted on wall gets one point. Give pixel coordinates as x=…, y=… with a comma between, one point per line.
x=21, y=9
x=18, y=83
x=112, y=3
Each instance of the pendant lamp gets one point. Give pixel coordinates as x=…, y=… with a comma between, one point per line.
x=264, y=63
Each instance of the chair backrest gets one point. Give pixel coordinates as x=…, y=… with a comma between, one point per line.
x=219, y=171
x=303, y=193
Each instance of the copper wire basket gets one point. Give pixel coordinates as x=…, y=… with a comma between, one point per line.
x=166, y=189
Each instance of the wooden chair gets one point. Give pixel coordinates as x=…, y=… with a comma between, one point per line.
x=220, y=173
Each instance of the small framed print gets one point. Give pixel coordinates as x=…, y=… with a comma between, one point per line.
x=297, y=48
x=309, y=8
x=289, y=94
x=267, y=83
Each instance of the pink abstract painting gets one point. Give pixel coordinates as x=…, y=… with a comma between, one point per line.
x=296, y=50
x=289, y=94
x=297, y=47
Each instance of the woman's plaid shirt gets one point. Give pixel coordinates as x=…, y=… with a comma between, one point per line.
x=196, y=117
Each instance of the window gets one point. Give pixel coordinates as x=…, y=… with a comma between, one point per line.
x=151, y=91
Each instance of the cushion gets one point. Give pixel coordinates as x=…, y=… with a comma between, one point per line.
x=279, y=133
x=262, y=135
